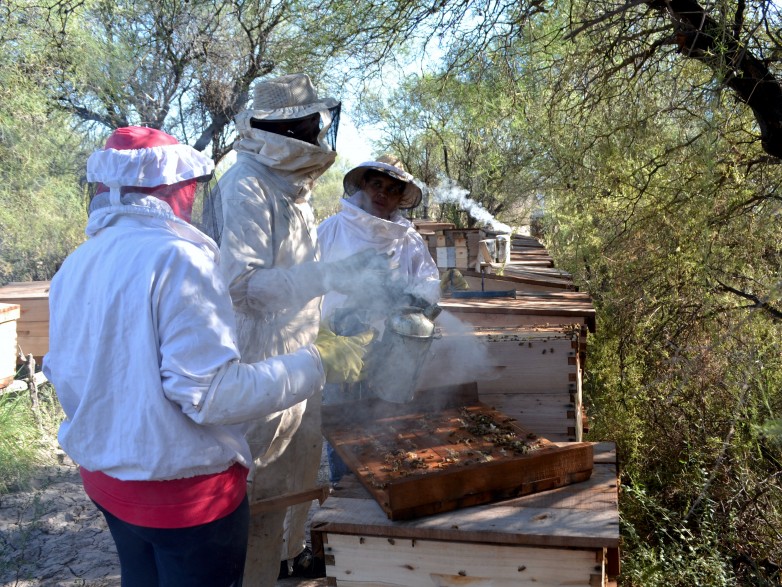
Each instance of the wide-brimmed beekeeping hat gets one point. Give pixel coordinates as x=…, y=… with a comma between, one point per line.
x=387, y=165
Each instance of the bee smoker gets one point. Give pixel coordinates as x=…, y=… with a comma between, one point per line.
x=394, y=364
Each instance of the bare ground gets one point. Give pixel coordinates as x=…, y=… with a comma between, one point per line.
x=51, y=535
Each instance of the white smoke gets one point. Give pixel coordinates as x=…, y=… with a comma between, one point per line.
x=450, y=192
x=458, y=356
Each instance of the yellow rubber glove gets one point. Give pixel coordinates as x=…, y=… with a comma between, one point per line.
x=342, y=356
x=453, y=280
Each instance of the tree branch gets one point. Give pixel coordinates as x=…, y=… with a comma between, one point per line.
x=757, y=302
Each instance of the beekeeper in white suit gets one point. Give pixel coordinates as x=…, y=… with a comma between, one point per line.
x=269, y=256
x=143, y=356
x=370, y=218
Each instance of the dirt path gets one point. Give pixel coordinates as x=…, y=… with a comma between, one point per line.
x=53, y=536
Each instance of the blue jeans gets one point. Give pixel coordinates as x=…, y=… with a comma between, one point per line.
x=337, y=467
x=210, y=555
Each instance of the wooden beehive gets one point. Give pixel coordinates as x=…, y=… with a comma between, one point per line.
x=566, y=536
x=534, y=375
x=451, y=247
x=9, y=315
x=32, y=328
x=441, y=454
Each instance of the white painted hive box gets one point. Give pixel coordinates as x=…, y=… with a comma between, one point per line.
x=9, y=315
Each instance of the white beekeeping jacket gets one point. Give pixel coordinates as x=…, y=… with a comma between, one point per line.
x=150, y=352
x=352, y=230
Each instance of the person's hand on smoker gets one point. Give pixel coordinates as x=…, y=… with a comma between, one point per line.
x=342, y=356
x=453, y=280
x=362, y=269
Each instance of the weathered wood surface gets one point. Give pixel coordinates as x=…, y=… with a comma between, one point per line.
x=526, y=281
x=581, y=515
x=534, y=257
x=431, y=225
x=371, y=561
x=543, y=308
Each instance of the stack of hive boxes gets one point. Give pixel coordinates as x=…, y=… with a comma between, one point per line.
x=32, y=327
x=536, y=342
x=451, y=247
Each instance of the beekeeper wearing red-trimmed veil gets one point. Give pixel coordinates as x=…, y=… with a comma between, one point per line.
x=269, y=257
x=143, y=356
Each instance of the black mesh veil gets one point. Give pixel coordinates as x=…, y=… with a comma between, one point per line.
x=331, y=133
x=208, y=207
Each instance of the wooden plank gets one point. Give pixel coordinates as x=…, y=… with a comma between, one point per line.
x=581, y=515
x=25, y=290
x=493, y=282
x=37, y=346
x=532, y=275
x=38, y=330
x=549, y=307
x=431, y=225
x=368, y=560
x=275, y=503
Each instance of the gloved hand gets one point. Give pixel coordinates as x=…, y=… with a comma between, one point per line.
x=453, y=280
x=364, y=269
x=342, y=356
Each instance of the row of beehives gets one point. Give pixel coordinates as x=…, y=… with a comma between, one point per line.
x=465, y=248
x=568, y=535
x=476, y=248
x=536, y=341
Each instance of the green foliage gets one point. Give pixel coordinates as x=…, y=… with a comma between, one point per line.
x=669, y=553
x=328, y=190
x=451, y=130
x=658, y=213
x=42, y=206
x=26, y=436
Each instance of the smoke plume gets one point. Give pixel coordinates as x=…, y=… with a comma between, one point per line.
x=458, y=356
x=449, y=192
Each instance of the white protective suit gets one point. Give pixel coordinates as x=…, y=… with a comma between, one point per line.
x=142, y=350
x=352, y=230
x=268, y=252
